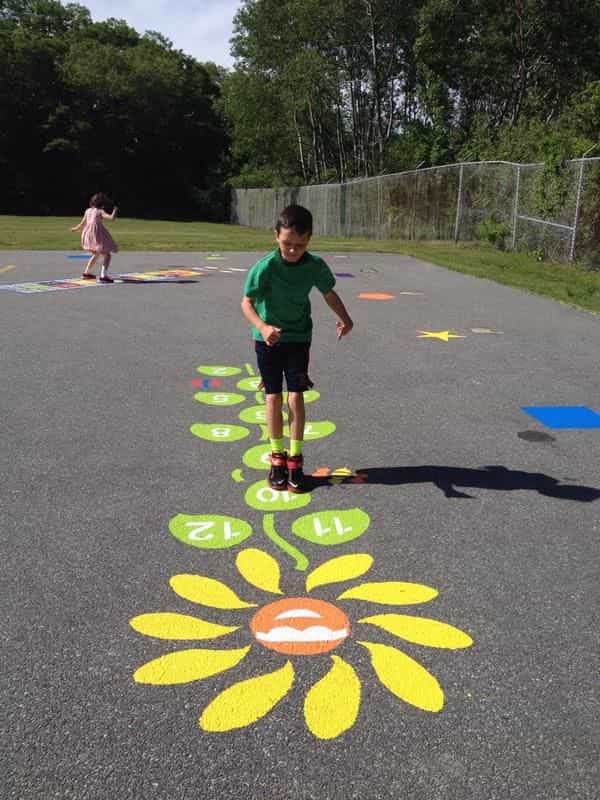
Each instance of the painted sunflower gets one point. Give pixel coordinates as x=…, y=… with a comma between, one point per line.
x=298, y=627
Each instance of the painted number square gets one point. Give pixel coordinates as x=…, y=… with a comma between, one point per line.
x=564, y=416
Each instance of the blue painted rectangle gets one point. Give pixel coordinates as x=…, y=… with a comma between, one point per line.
x=564, y=416
x=83, y=256
x=344, y=275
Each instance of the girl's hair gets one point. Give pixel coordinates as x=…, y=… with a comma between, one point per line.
x=297, y=218
x=100, y=200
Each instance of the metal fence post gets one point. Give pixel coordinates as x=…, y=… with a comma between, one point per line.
x=458, y=203
x=577, y=208
x=516, y=209
x=348, y=232
x=379, y=234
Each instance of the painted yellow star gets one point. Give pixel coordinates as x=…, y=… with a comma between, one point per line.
x=443, y=335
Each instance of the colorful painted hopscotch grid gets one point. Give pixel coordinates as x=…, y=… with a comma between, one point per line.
x=564, y=416
x=153, y=276
x=46, y=286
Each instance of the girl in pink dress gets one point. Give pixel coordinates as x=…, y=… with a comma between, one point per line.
x=95, y=237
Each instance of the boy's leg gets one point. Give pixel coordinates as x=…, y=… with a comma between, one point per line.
x=271, y=370
x=296, y=374
x=297, y=420
x=278, y=473
x=274, y=412
x=295, y=461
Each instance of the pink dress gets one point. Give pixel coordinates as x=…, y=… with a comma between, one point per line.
x=94, y=235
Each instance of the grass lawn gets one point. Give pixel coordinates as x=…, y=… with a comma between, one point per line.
x=569, y=284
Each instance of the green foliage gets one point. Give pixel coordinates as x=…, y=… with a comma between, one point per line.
x=586, y=112
x=323, y=90
x=409, y=150
x=262, y=178
x=367, y=88
x=95, y=106
x=553, y=181
x=494, y=232
x=254, y=108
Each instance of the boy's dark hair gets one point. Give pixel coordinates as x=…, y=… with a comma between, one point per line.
x=100, y=200
x=296, y=217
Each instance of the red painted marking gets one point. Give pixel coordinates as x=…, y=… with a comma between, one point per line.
x=214, y=383
x=377, y=296
x=197, y=382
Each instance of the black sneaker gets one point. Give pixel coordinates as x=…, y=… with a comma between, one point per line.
x=278, y=474
x=296, y=482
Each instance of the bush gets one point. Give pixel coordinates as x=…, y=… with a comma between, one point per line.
x=494, y=231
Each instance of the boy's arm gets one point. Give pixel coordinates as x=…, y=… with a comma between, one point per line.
x=344, y=324
x=270, y=334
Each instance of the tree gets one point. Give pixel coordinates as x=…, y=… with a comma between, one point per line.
x=89, y=106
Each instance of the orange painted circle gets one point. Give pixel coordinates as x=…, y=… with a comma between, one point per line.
x=300, y=626
x=377, y=296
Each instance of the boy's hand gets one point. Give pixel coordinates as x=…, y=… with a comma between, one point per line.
x=270, y=334
x=343, y=328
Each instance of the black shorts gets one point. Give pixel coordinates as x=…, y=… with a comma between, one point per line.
x=284, y=358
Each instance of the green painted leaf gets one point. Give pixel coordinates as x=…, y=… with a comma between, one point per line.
x=261, y=496
x=219, y=398
x=219, y=432
x=255, y=414
x=332, y=527
x=318, y=430
x=249, y=384
x=258, y=457
x=218, y=371
x=209, y=531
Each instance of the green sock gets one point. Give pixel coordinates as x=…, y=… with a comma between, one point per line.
x=277, y=445
x=296, y=447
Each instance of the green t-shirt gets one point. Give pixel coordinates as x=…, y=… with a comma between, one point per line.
x=280, y=293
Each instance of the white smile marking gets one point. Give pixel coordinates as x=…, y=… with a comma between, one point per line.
x=295, y=613
x=316, y=633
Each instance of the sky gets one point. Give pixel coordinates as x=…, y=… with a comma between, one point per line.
x=201, y=28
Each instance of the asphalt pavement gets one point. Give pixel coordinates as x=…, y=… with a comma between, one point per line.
x=118, y=417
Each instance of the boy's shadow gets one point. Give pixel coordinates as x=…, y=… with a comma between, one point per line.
x=494, y=477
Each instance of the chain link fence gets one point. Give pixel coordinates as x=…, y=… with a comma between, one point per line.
x=557, y=216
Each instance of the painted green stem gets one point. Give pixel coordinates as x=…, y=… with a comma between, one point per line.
x=237, y=476
x=269, y=529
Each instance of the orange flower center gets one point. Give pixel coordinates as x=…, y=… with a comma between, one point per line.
x=300, y=626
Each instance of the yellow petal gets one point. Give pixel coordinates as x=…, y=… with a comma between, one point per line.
x=260, y=569
x=207, y=592
x=177, y=626
x=188, y=665
x=405, y=678
x=331, y=706
x=247, y=701
x=393, y=593
x=428, y=632
x=343, y=568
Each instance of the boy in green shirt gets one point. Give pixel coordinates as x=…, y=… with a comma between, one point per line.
x=277, y=305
